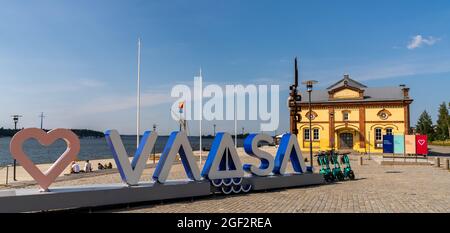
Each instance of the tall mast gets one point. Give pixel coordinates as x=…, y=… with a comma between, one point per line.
x=201, y=114
x=138, y=114
x=235, y=117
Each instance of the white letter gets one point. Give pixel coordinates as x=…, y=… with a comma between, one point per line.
x=215, y=102
x=274, y=115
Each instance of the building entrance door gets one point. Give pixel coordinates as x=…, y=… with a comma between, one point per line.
x=346, y=141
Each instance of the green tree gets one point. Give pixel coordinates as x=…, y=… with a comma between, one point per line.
x=448, y=121
x=425, y=126
x=442, y=123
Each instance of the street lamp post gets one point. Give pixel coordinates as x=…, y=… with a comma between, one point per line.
x=16, y=120
x=214, y=130
x=309, y=86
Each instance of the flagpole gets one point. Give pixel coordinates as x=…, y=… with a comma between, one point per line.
x=201, y=113
x=235, y=118
x=138, y=117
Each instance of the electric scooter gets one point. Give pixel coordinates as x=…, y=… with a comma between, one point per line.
x=348, y=172
x=325, y=170
x=337, y=171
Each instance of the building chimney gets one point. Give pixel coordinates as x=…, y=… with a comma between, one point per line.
x=405, y=91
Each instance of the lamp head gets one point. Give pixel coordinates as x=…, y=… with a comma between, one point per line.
x=309, y=84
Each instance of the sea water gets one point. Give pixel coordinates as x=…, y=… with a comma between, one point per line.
x=91, y=148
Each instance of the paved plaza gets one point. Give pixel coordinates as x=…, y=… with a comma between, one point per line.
x=378, y=189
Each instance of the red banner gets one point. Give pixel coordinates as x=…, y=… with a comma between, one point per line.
x=421, y=145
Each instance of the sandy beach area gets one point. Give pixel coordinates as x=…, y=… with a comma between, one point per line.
x=22, y=175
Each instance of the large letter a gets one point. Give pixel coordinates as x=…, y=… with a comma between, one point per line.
x=223, y=161
x=177, y=143
x=289, y=149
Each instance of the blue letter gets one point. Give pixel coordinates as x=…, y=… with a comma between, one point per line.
x=289, y=146
x=177, y=143
x=251, y=148
x=218, y=164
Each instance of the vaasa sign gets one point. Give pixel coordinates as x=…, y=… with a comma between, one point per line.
x=222, y=168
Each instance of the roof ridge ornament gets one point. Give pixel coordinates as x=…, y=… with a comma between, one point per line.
x=347, y=81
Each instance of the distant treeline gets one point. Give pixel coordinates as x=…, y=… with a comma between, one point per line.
x=441, y=130
x=82, y=133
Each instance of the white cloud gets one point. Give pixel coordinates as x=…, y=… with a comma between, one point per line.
x=418, y=41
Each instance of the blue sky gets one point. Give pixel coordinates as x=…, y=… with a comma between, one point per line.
x=76, y=60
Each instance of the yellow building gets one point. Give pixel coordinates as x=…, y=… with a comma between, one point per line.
x=350, y=115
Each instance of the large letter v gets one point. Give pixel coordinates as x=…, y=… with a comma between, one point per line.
x=130, y=173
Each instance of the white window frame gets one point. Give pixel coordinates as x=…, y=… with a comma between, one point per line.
x=392, y=131
x=316, y=130
x=306, y=131
x=381, y=134
x=345, y=116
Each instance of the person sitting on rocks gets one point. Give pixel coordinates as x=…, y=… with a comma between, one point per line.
x=100, y=166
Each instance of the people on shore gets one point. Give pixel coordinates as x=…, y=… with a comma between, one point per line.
x=104, y=166
x=87, y=166
x=75, y=168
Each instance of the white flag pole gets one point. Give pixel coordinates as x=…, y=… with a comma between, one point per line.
x=235, y=118
x=138, y=117
x=201, y=113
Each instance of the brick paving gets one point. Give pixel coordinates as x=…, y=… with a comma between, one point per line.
x=378, y=189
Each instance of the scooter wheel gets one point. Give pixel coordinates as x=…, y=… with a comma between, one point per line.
x=340, y=177
x=351, y=175
x=331, y=178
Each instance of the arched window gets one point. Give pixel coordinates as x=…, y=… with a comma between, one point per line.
x=306, y=134
x=388, y=131
x=378, y=136
x=316, y=135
